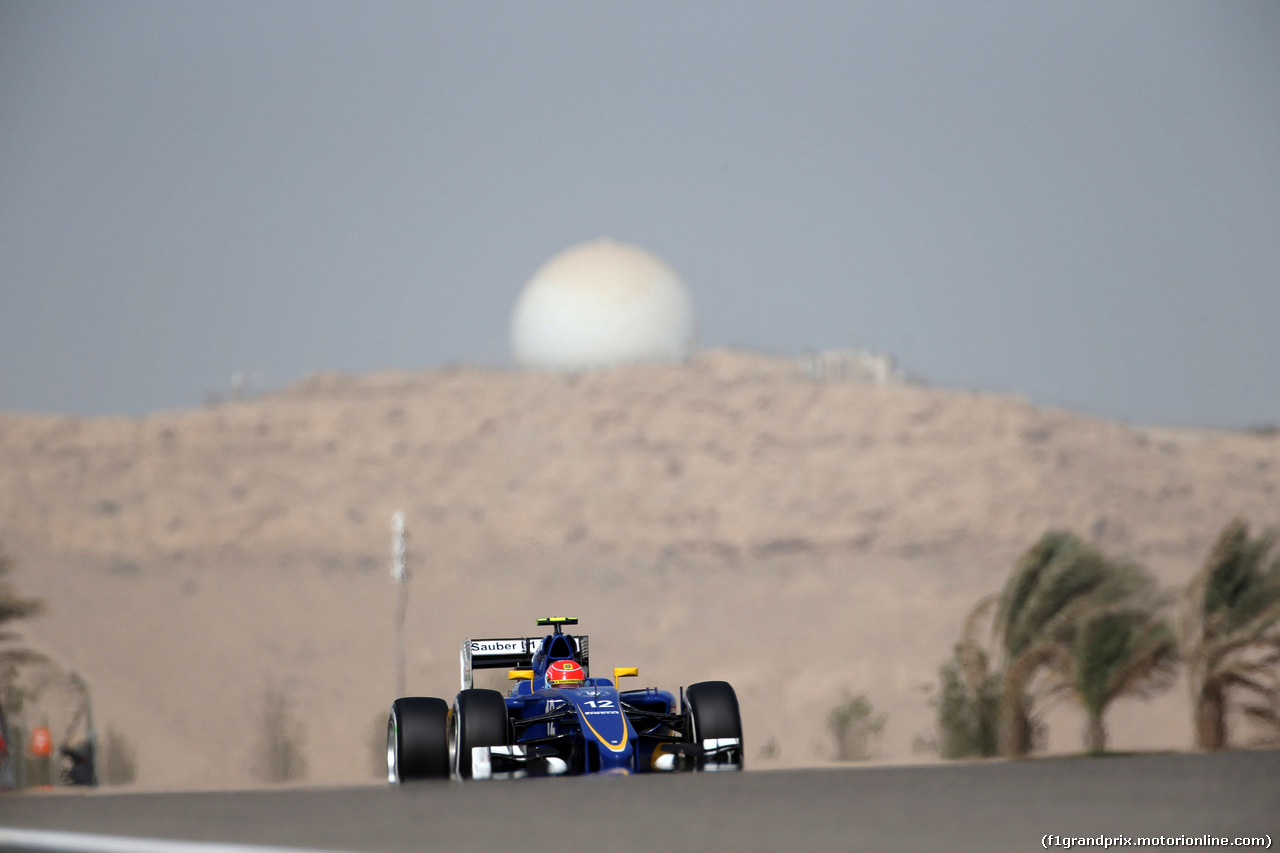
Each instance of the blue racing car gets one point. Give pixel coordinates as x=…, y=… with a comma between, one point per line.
x=559, y=720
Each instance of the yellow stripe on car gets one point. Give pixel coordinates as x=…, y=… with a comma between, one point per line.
x=621, y=745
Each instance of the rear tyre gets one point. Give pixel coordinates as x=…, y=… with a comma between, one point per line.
x=712, y=708
x=478, y=718
x=417, y=740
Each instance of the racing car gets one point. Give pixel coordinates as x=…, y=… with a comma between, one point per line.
x=559, y=720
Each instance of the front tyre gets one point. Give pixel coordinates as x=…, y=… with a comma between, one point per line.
x=715, y=724
x=417, y=740
x=478, y=718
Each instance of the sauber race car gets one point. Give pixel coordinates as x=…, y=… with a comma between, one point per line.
x=559, y=720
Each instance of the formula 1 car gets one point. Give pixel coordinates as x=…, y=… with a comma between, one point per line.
x=558, y=720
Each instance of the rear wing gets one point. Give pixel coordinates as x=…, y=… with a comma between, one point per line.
x=510, y=653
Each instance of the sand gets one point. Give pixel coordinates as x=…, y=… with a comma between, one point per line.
x=731, y=518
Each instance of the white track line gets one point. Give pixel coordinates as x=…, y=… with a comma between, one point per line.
x=79, y=842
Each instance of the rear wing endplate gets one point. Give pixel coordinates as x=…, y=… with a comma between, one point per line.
x=509, y=653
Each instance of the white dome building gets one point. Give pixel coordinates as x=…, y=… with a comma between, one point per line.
x=601, y=304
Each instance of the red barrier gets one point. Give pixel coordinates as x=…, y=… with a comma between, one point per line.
x=41, y=742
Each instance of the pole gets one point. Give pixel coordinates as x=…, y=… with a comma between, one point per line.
x=90, y=733
x=399, y=574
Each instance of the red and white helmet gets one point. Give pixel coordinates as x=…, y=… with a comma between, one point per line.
x=565, y=673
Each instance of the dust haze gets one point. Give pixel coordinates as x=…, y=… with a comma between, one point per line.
x=733, y=518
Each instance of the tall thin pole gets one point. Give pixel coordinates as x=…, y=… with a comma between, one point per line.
x=399, y=574
x=90, y=733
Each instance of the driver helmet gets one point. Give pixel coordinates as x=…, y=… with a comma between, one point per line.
x=565, y=673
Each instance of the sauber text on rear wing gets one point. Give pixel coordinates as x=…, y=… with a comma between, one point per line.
x=509, y=653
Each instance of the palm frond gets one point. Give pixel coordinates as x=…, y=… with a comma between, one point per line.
x=1121, y=650
x=974, y=662
x=21, y=656
x=1011, y=622
x=12, y=607
x=1236, y=582
x=1260, y=667
x=1254, y=635
x=1046, y=694
x=1151, y=668
x=1263, y=714
x=1251, y=685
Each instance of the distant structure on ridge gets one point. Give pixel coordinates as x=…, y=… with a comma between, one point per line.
x=601, y=304
x=852, y=365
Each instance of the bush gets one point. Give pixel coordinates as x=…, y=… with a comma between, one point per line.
x=280, y=753
x=119, y=760
x=967, y=718
x=855, y=725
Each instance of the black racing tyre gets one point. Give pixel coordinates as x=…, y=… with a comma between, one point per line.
x=478, y=718
x=417, y=740
x=712, y=707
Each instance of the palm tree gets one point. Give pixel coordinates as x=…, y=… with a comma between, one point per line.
x=1057, y=582
x=1126, y=650
x=1231, y=634
x=12, y=607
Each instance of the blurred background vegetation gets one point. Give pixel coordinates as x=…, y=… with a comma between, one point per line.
x=1074, y=624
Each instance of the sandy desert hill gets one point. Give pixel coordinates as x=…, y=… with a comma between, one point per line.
x=730, y=518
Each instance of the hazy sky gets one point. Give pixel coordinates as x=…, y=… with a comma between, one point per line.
x=1076, y=201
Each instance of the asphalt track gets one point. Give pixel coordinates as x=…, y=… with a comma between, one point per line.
x=996, y=806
